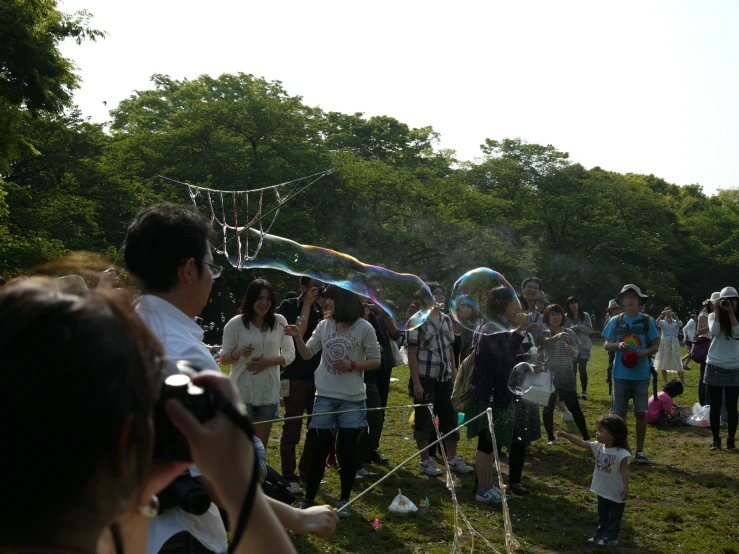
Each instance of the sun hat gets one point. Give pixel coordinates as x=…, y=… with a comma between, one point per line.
x=728, y=292
x=612, y=304
x=637, y=290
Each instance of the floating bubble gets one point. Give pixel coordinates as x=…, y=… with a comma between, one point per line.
x=520, y=381
x=212, y=324
x=210, y=300
x=231, y=295
x=219, y=294
x=483, y=301
x=403, y=296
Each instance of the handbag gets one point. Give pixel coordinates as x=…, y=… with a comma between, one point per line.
x=397, y=356
x=699, y=350
x=541, y=388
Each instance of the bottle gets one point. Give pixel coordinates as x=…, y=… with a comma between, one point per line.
x=534, y=353
x=422, y=508
x=428, y=505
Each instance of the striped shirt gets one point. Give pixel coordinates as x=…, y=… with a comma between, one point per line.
x=434, y=343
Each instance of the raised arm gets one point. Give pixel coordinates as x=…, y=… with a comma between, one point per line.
x=577, y=441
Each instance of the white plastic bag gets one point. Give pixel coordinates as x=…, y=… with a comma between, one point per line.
x=402, y=505
x=700, y=417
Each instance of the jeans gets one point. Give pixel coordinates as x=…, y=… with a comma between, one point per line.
x=610, y=514
x=302, y=395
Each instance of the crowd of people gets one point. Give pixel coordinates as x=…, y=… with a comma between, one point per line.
x=325, y=351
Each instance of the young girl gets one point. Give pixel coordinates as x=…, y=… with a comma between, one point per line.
x=349, y=348
x=669, y=355
x=580, y=322
x=662, y=409
x=255, y=346
x=610, y=477
x=560, y=348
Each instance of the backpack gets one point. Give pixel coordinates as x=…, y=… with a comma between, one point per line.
x=464, y=383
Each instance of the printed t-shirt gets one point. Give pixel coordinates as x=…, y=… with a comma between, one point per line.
x=607, y=481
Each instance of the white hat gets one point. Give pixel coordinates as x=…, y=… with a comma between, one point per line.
x=728, y=292
x=637, y=290
x=612, y=304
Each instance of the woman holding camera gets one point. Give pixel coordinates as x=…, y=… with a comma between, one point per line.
x=348, y=347
x=722, y=365
x=77, y=427
x=256, y=346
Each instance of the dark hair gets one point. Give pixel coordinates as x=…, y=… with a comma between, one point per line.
x=580, y=313
x=530, y=280
x=2, y=281
x=524, y=303
x=725, y=320
x=291, y=294
x=673, y=388
x=160, y=239
x=435, y=285
x=617, y=428
x=253, y=291
x=92, y=384
x=347, y=305
x=305, y=281
x=553, y=308
x=497, y=301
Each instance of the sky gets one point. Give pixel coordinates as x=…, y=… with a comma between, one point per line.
x=632, y=86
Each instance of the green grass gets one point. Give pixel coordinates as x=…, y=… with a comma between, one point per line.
x=685, y=501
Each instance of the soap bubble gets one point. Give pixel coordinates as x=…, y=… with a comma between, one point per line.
x=520, y=382
x=212, y=325
x=484, y=296
x=403, y=296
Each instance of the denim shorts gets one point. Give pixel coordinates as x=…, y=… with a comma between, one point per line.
x=352, y=420
x=267, y=411
x=624, y=389
x=721, y=376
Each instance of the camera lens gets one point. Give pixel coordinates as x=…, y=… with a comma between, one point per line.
x=724, y=302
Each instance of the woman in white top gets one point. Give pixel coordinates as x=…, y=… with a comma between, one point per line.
x=669, y=354
x=722, y=365
x=255, y=346
x=348, y=347
x=580, y=322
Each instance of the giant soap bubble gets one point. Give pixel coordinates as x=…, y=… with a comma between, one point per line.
x=483, y=301
x=403, y=296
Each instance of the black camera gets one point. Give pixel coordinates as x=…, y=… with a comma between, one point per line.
x=170, y=443
x=186, y=493
x=322, y=292
x=725, y=302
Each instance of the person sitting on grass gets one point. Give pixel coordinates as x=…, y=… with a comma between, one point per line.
x=610, y=477
x=662, y=410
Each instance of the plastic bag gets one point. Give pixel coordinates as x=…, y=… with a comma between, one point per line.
x=700, y=416
x=402, y=505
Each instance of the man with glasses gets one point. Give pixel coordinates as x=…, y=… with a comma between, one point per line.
x=431, y=361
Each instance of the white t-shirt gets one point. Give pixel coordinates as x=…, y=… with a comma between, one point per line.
x=182, y=339
x=358, y=343
x=607, y=481
x=263, y=388
x=724, y=351
x=689, y=330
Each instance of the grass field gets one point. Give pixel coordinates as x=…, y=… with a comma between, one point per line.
x=685, y=501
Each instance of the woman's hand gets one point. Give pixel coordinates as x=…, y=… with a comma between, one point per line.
x=244, y=351
x=291, y=330
x=318, y=520
x=221, y=450
x=257, y=365
x=342, y=365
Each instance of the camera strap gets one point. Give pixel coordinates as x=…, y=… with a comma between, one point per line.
x=244, y=423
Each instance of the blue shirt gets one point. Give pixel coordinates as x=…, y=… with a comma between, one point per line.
x=631, y=331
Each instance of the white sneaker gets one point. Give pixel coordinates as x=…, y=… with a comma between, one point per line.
x=364, y=472
x=294, y=487
x=490, y=495
x=456, y=464
x=567, y=417
x=497, y=490
x=429, y=467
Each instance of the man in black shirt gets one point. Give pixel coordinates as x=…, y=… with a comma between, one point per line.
x=306, y=312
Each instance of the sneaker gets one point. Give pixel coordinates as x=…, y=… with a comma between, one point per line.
x=341, y=511
x=376, y=458
x=641, y=458
x=731, y=445
x=518, y=488
x=594, y=539
x=584, y=395
x=567, y=418
x=716, y=445
x=607, y=542
x=456, y=464
x=364, y=472
x=553, y=442
x=306, y=503
x=294, y=487
x=429, y=467
x=497, y=490
x=492, y=495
